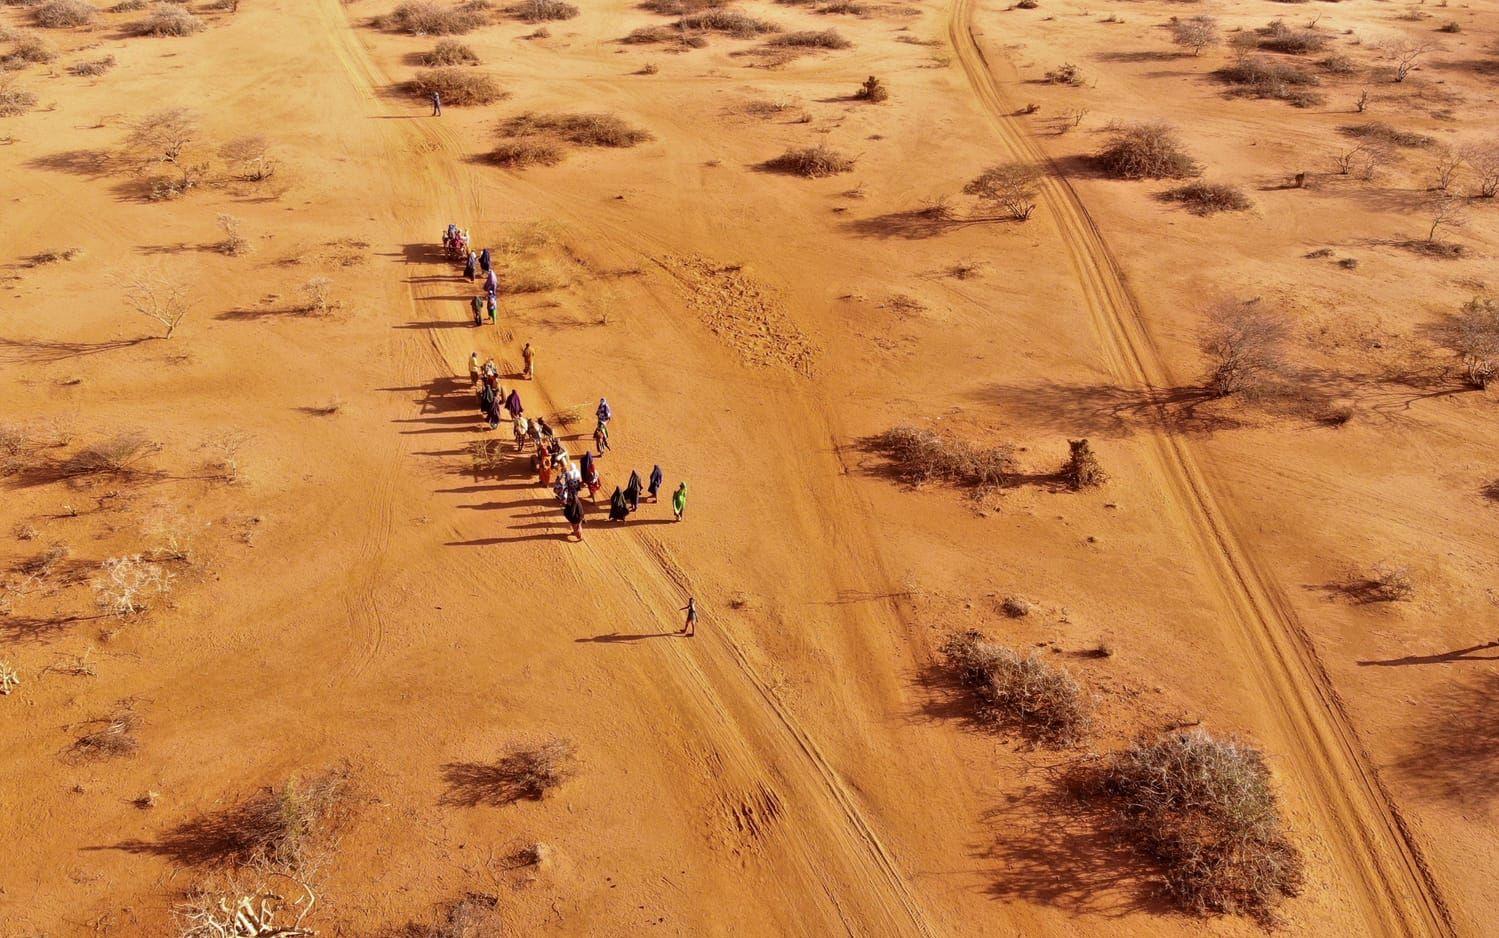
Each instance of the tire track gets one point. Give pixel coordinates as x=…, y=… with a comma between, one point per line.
x=1379, y=856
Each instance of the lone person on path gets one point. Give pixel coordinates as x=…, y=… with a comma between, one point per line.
x=473, y=369
x=689, y=628
x=529, y=357
x=679, y=501
x=436, y=104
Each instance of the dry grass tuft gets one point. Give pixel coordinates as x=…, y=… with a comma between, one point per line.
x=123, y=454
x=681, y=7
x=1044, y=702
x=919, y=455
x=1276, y=36
x=811, y=162
x=92, y=68
x=1147, y=151
x=540, y=11
x=1205, y=809
x=730, y=22
x=63, y=14
x=812, y=39
x=1381, y=133
x=1261, y=77
x=1082, y=470
x=111, y=736
x=167, y=21
x=457, y=86
x=585, y=130
x=26, y=49
x=1209, y=198
x=518, y=154
x=15, y=100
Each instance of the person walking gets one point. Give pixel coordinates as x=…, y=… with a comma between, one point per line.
x=494, y=305
x=470, y=267
x=679, y=501
x=632, y=491
x=492, y=282
x=436, y=104
x=529, y=357
x=689, y=628
x=492, y=414
x=476, y=306
x=473, y=369
x=601, y=438
x=518, y=428
x=604, y=413
x=573, y=512
x=512, y=404
x=486, y=263
x=618, y=510
x=655, y=486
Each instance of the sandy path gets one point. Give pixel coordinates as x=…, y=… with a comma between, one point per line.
x=1380, y=860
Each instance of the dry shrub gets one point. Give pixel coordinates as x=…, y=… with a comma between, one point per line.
x=254, y=902
x=1386, y=583
x=1278, y=37
x=457, y=86
x=1472, y=333
x=425, y=18
x=586, y=130
x=1065, y=74
x=279, y=824
x=920, y=455
x=1245, y=344
x=873, y=90
x=167, y=21
x=539, y=11
x=731, y=22
x=1260, y=77
x=450, y=52
x=1195, y=32
x=526, y=151
x=129, y=585
x=124, y=454
x=1205, y=809
x=681, y=7
x=27, y=49
x=813, y=39
x=1208, y=198
x=15, y=100
x=111, y=736
x=526, y=772
x=251, y=155
x=1337, y=64
x=1147, y=151
x=129, y=6
x=63, y=14
x=811, y=162
x=1082, y=470
x=93, y=67
x=845, y=8
x=1009, y=187
x=156, y=296
x=1382, y=133
x=476, y=915
x=234, y=243
x=1042, y=701
x=9, y=678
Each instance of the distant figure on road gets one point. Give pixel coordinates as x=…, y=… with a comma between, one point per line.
x=601, y=438
x=529, y=357
x=436, y=104
x=679, y=501
x=689, y=628
x=656, y=480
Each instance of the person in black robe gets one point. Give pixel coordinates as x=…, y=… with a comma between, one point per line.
x=619, y=510
x=484, y=262
x=573, y=512
x=477, y=306
x=487, y=398
x=469, y=266
x=656, y=480
x=632, y=491
x=492, y=414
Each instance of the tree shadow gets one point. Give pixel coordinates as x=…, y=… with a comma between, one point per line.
x=229, y=837
x=94, y=164
x=45, y=351
x=1107, y=410
x=913, y=224
x=1452, y=752
x=1444, y=657
x=471, y=784
x=1149, y=55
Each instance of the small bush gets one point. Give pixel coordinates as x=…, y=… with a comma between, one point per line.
x=279, y=824
x=1451, y=26
x=112, y=736
x=1082, y=470
x=63, y=14
x=1337, y=65
x=681, y=7
x=1043, y=701
x=15, y=100
x=730, y=22
x=1260, y=77
x=1278, y=37
x=93, y=67
x=1195, y=32
x=457, y=86
x=121, y=455
x=919, y=455
x=1245, y=345
x=873, y=90
x=526, y=151
x=425, y=18
x=449, y=52
x=1382, y=133
x=1065, y=74
x=1147, y=151
x=251, y=155
x=129, y=6
x=588, y=130
x=28, y=49
x=129, y=585
x=811, y=162
x=1026, y=4
x=538, y=11
x=1205, y=809
x=1009, y=187
x=1207, y=198
x=526, y=772
x=812, y=39
x=167, y=21
x=234, y=243
x=1472, y=333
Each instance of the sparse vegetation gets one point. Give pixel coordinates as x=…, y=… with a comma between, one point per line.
x=587, y=130
x=168, y=137
x=1008, y=187
x=425, y=18
x=457, y=86
x=812, y=39
x=1204, y=809
x=1382, y=133
x=110, y=736
x=1065, y=74
x=1472, y=333
x=526, y=151
x=1403, y=54
x=10, y=678
x=1386, y=583
x=450, y=52
x=1245, y=347
x=167, y=21
x=1276, y=36
x=1262, y=77
x=813, y=162
x=525, y=772
x=317, y=296
x=1195, y=33
x=130, y=585
x=1208, y=198
x=63, y=14
x=1082, y=471
x=1147, y=151
x=1042, y=701
x=730, y=22
x=157, y=297
x=15, y=100
x=1482, y=159
x=539, y=11
x=234, y=243
x=124, y=454
x=27, y=49
x=919, y=455
x=873, y=90
x=92, y=68
x=251, y=155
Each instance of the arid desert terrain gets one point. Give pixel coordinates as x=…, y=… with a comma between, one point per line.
x=1083, y=411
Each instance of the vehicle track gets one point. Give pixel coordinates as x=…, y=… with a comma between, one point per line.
x=1380, y=859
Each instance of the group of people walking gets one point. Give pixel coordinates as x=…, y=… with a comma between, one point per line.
x=555, y=467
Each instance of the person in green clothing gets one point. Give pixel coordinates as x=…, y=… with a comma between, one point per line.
x=679, y=501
